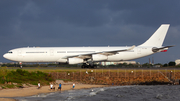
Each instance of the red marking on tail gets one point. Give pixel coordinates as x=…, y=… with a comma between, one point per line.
x=164, y=51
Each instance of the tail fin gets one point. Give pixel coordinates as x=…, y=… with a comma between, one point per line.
x=157, y=38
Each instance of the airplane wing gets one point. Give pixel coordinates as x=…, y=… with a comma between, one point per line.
x=115, y=51
x=107, y=53
x=161, y=48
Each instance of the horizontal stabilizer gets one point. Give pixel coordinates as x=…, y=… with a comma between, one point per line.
x=161, y=49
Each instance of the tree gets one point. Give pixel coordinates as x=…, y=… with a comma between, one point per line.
x=147, y=65
x=165, y=65
x=171, y=63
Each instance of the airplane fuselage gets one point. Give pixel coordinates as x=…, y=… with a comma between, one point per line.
x=56, y=54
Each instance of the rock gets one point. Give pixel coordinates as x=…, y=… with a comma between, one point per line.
x=14, y=83
x=25, y=86
x=59, y=81
x=62, y=82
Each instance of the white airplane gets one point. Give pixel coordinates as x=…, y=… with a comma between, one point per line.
x=89, y=55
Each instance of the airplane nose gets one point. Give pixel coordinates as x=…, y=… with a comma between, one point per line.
x=8, y=56
x=5, y=56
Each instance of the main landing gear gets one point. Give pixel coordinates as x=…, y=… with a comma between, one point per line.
x=85, y=65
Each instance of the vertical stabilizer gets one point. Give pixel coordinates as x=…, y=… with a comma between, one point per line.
x=157, y=38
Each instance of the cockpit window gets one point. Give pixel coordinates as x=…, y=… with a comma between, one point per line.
x=10, y=52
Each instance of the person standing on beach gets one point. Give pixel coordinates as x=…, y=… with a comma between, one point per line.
x=51, y=86
x=39, y=85
x=73, y=85
x=59, y=88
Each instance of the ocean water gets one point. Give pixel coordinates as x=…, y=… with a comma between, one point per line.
x=114, y=93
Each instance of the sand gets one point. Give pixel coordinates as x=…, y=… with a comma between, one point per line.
x=29, y=91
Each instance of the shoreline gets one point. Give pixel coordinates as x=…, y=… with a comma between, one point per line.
x=5, y=94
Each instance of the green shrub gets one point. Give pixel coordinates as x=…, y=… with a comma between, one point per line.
x=10, y=86
x=3, y=75
x=22, y=76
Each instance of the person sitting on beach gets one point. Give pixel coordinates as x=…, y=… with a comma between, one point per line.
x=59, y=88
x=39, y=85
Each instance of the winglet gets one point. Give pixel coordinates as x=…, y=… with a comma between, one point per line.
x=161, y=49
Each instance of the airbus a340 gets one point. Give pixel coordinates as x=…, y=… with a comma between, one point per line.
x=88, y=55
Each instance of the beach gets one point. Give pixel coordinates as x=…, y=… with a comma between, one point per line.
x=29, y=91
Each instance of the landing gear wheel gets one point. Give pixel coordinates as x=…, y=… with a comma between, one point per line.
x=83, y=66
x=95, y=66
x=88, y=66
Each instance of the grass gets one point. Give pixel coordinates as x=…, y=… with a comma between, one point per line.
x=10, y=86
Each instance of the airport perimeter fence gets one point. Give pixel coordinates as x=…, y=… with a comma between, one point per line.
x=120, y=77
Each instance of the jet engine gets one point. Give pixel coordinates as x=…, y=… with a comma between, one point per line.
x=75, y=60
x=99, y=57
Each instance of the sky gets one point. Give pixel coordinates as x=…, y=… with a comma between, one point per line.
x=66, y=23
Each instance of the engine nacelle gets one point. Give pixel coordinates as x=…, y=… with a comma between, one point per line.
x=75, y=60
x=99, y=57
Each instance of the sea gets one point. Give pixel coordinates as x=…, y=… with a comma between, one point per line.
x=113, y=93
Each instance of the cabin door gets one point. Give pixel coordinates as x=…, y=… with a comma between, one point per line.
x=139, y=51
x=51, y=52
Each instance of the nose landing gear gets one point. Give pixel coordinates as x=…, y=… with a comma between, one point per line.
x=20, y=63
